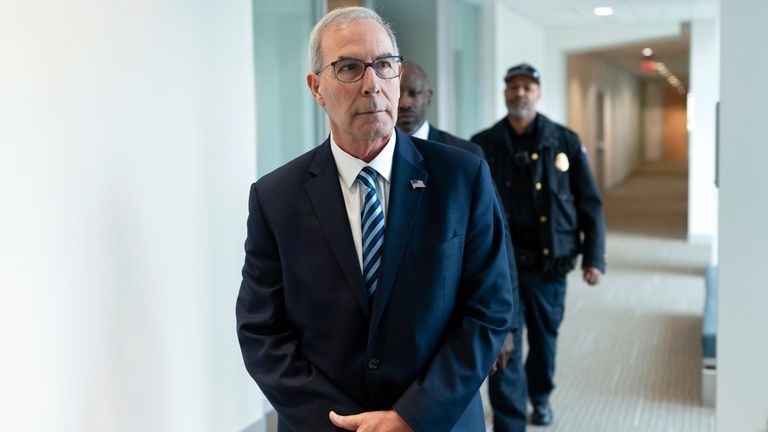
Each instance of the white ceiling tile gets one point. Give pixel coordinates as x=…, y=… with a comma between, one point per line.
x=566, y=13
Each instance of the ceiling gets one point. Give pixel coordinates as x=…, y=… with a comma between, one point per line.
x=565, y=13
x=674, y=52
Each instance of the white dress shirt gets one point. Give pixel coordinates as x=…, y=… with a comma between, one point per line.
x=423, y=131
x=349, y=167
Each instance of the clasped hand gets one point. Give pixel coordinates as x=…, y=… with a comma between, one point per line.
x=372, y=421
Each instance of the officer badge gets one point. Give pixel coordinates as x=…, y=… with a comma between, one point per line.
x=561, y=162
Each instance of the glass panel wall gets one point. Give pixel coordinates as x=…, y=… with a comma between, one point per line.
x=467, y=67
x=286, y=115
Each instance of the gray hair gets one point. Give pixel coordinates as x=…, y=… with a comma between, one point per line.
x=340, y=18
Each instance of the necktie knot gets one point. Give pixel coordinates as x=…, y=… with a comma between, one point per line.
x=367, y=177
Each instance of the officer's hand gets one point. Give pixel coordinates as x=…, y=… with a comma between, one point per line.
x=504, y=354
x=592, y=275
x=371, y=421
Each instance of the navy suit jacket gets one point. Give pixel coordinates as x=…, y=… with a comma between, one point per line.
x=444, y=137
x=308, y=334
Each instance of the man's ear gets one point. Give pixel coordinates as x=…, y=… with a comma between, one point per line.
x=429, y=96
x=313, y=82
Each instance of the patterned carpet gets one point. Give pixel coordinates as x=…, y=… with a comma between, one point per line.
x=629, y=354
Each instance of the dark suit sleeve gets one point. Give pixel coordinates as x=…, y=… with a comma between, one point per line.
x=517, y=321
x=300, y=393
x=589, y=208
x=436, y=400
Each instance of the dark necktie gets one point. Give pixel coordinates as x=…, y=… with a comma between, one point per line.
x=372, y=222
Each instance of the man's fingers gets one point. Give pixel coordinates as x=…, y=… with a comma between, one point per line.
x=592, y=275
x=503, y=360
x=506, y=351
x=351, y=422
x=587, y=277
x=590, y=279
x=495, y=367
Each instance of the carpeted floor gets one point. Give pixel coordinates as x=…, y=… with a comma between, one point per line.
x=629, y=354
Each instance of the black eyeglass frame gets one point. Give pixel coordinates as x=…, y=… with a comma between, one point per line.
x=366, y=65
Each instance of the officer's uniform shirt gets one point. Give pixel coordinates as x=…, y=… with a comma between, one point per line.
x=520, y=163
x=551, y=202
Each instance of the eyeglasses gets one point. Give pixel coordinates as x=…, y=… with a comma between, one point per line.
x=352, y=70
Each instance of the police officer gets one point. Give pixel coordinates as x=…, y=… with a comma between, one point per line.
x=554, y=213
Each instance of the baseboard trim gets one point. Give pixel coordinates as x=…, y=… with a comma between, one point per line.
x=268, y=423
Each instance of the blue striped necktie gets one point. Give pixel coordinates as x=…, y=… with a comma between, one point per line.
x=372, y=222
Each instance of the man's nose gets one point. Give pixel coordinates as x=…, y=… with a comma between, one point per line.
x=371, y=82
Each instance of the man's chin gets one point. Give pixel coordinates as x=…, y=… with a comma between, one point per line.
x=407, y=127
x=520, y=113
x=374, y=131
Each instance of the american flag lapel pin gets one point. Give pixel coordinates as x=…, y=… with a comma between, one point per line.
x=418, y=184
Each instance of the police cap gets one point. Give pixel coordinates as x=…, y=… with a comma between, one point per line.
x=523, y=69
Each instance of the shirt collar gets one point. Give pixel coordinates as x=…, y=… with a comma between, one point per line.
x=349, y=166
x=423, y=131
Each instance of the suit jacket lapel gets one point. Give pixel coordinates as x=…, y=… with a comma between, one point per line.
x=435, y=135
x=325, y=196
x=403, y=204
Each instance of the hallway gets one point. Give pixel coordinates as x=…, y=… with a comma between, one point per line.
x=629, y=353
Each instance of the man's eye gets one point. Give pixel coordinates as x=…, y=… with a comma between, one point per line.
x=383, y=64
x=347, y=67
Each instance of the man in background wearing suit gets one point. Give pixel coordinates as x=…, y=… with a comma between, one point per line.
x=415, y=98
x=375, y=292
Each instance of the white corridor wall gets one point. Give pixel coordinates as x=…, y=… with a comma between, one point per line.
x=126, y=151
x=702, y=193
x=742, y=344
x=588, y=76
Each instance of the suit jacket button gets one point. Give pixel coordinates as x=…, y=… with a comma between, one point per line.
x=373, y=364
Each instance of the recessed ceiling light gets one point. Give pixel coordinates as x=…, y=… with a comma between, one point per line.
x=603, y=11
x=647, y=52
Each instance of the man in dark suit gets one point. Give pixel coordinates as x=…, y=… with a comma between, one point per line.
x=415, y=98
x=375, y=291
